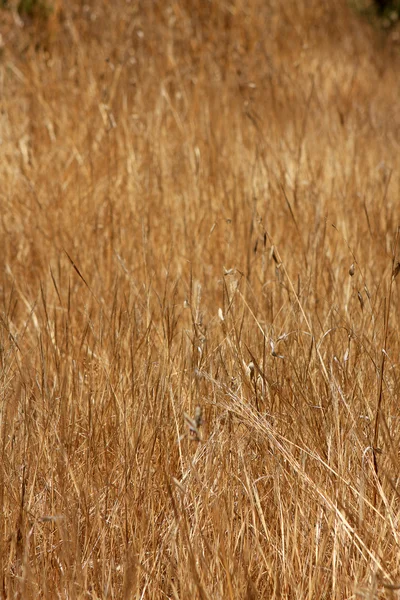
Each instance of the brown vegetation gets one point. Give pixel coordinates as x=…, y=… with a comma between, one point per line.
x=199, y=207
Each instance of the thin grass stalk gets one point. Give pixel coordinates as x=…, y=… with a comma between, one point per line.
x=394, y=273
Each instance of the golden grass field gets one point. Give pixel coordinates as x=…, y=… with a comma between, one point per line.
x=199, y=208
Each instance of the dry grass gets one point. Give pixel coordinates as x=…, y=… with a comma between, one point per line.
x=184, y=189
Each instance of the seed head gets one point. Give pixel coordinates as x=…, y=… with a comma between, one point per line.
x=194, y=424
x=396, y=270
x=250, y=369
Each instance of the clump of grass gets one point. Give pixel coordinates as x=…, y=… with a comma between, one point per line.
x=199, y=277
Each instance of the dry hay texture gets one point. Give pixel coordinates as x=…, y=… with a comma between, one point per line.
x=199, y=207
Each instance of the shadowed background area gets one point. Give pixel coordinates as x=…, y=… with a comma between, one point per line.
x=199, y=208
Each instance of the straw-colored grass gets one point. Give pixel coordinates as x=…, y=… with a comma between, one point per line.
x=199, y=207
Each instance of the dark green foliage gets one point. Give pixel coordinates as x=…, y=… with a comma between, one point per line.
x=384, y=13
x=384, y=7
x=31, y=8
